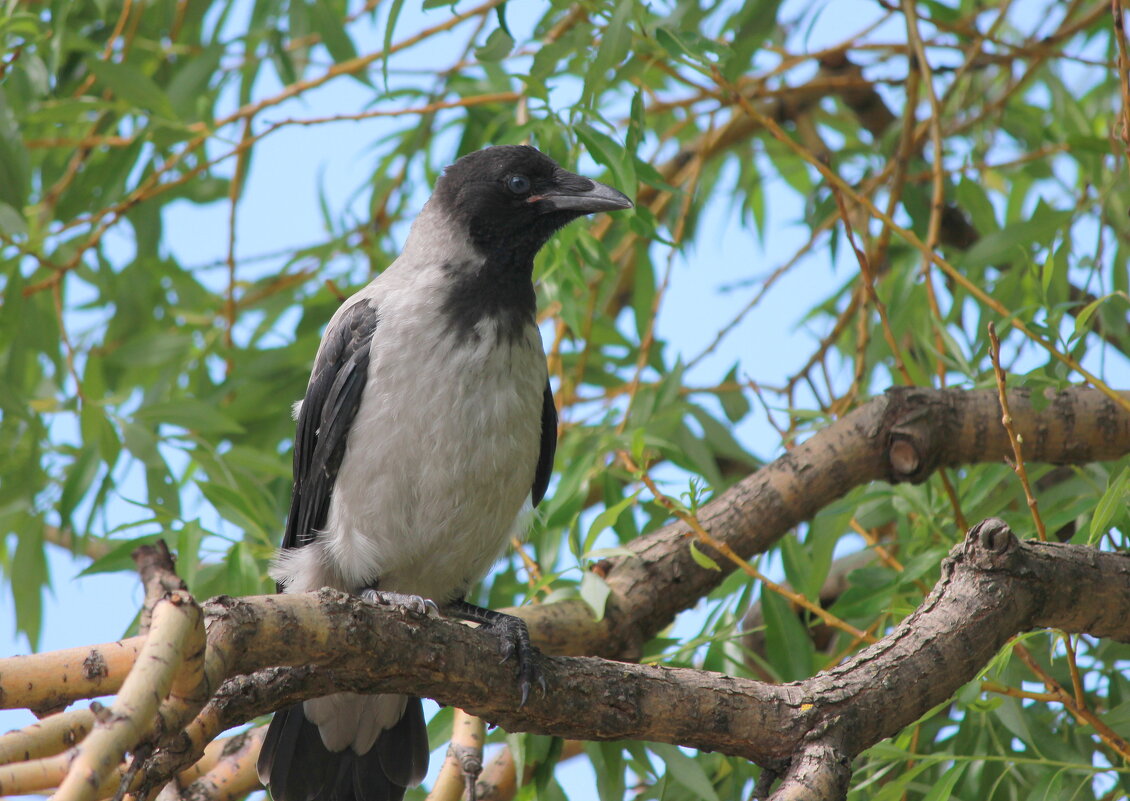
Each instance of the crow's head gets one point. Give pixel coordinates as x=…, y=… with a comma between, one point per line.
x=511, y=198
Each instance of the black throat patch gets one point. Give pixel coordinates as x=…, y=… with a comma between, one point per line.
x=489, y=291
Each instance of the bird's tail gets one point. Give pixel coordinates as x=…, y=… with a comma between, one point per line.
x=295, y=764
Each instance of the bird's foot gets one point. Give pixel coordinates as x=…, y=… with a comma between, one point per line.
x=513, y=642
x=470, y=761
x=412, y=605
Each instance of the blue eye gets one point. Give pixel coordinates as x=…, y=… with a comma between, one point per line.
x=518, y=184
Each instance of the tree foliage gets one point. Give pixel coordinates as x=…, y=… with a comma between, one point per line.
x=933, y=167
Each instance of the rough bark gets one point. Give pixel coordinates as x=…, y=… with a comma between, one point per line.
x=902, y=436
x=988, y=592
x=993, y=587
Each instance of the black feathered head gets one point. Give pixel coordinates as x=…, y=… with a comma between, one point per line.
x=513, y=197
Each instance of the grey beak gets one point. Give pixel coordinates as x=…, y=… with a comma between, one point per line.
x=583, y=196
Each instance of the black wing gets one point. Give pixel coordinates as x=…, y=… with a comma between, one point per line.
x=332, y=399
x=548, y=445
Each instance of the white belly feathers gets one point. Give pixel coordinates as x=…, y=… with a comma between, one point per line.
x=440, y=458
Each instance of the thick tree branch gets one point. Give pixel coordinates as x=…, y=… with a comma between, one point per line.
x=152, y=698
x=902, y=436
x=992, y=587
x=46, y=683
x=48, y=737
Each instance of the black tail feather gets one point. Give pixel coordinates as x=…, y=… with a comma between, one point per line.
x=403, y=749
x=295, y=764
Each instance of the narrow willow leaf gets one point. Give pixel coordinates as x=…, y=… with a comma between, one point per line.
x=497, y=46
x=1113, y=502
x=15, y=168
x=701, y=559
x=190, y=414
x=390, y=29
x=595, y=592
x=606, y=518
x=326, y=20
x=132, y=86
x=686, y=771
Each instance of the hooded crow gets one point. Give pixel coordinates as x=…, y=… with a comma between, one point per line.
x=427, y=432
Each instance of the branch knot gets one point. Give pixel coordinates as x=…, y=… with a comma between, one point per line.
x=989, y=544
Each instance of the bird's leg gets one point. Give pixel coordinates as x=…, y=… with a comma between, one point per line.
x=514, y=641
x=411, y=604
x=470, y=761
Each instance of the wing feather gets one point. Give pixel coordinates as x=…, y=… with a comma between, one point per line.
x=548, y=446
x=333, y=397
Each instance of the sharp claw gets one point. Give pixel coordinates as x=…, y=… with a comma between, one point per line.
x=411, y=604
x=513, y=641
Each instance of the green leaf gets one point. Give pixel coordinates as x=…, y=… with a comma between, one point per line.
x=29, y=577
x=280, y=56
x=500, y=15
x=799, y=569
x=245, y=577
x=20, y=24
x=973, y=199
x=235, y=507
x=686, y=771
x=691, y=45
x=1113, y=502
x=326, y=21
x=497, y=46
x=390, y=29
x=614, y=45
x=15, y=167
x=1012, y=716
x=118, y=557
x=151, y=350
x=130, y=85
x=1014, y=241
x=734, y=402
x=440, y=727
x=752, y=24
x=701, y=559
x=142, y=443
x=606, y=518
x=192, y=80
x=605, y=150
x=190, y=414
x=942, y=790
x=188, y=542
x=1083, y=317
x=79, y=478
x=608, y=764
x=594, y=592
x=12, y=222
x=788, y=647
x=163, y=495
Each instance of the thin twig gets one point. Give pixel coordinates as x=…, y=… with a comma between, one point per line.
x=705, y=538
x=1118, y=11
x=916, y=242
x=1013, y=437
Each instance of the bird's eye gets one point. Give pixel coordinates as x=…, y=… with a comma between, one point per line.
x=518, y=184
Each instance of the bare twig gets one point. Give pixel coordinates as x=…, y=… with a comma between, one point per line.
x=1013, y=437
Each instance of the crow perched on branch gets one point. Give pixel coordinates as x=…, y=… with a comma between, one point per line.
x=427, y=432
